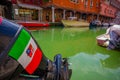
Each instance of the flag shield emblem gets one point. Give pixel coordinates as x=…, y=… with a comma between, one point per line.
x=30, y=50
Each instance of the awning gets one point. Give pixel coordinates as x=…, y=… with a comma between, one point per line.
x=28, y=6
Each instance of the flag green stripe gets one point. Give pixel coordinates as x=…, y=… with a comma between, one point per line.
x=20, y=44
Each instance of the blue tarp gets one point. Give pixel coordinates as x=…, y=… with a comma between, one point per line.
x=7, y=28
x=114, y=33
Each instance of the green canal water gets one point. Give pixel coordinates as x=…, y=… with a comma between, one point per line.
x=88, y=60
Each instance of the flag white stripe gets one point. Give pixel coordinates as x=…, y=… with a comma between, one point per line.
x=24, y=59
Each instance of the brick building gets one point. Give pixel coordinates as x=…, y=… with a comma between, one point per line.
x=56, y=10
x=107, y=11
x=115, y=4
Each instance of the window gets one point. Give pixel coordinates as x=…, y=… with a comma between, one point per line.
x=97, y=4
x=91, y=3
x=110, y=12
x=105, y=11
x=75, y=1
x=86, y=3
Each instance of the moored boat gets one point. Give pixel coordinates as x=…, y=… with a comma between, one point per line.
x=34, y=25
x=103, y=40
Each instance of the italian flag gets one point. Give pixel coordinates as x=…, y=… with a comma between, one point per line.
x=26, y=52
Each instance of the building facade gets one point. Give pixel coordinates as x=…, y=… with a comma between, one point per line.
x=115, y=4
x=27, y=10
x=55, y=10
x=107, y=11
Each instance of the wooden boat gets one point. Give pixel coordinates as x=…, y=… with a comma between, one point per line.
x=74, y=23
x=34, y=25
x=16, y=39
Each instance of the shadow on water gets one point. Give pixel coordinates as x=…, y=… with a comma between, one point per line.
x=89, y=61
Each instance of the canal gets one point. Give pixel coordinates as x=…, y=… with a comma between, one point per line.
x=88, y=60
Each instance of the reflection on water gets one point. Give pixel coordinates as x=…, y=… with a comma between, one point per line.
x=89, y=61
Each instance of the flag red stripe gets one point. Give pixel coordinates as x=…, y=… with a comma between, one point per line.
x=34, y=62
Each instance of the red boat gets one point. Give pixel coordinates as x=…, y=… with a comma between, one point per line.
x=34, y=25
